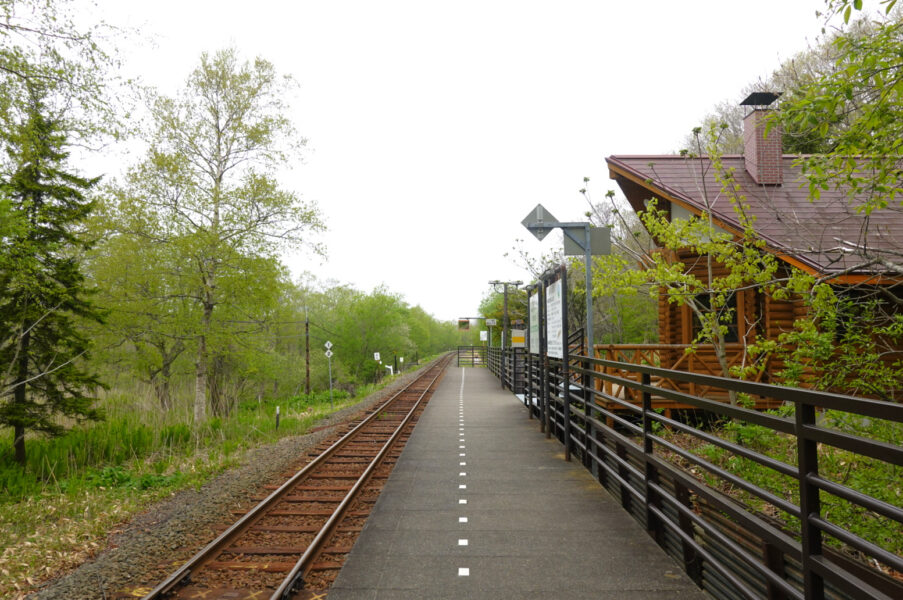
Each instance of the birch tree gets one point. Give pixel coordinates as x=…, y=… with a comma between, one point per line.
x=208, y=185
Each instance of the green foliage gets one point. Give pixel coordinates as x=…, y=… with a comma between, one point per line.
x=856, y=108
x=206, y=207
x=625, y=307
x=876, y=478
x=742, y=261
x=849, y=343
x=492, y=306
x=359, y=324
x=41, y=44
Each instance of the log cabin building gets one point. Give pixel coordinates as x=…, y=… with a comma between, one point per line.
x=820, y=237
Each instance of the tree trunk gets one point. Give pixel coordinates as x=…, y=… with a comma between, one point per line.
x=200, y=381
x=20, y=399
x=161, y=388
x=202, y=375
x=19, y=444
x=216, y=382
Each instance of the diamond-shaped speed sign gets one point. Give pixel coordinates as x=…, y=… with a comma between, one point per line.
x=329, y=354
x=328, y=345
x=540, y=222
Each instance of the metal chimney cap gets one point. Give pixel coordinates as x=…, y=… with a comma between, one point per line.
x=760, y=99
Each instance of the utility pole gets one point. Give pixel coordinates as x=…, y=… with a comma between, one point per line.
x=307, y=351
x=505, y=323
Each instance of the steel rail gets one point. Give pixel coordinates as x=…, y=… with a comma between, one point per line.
x=257, y=511
x=303, y=566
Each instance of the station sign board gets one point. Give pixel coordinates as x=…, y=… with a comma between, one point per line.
x=554, y=325
x=534, y=323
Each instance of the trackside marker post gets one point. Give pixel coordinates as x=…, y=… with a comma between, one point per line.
x=328, y=345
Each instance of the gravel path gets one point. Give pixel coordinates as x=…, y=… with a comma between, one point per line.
x=158, y=540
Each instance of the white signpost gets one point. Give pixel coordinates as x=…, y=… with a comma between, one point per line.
x=328, y=345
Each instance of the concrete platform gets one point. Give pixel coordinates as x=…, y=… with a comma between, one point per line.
x=481, y=505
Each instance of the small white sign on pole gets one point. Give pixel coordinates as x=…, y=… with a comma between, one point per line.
x=376, y=356
x=484, y=335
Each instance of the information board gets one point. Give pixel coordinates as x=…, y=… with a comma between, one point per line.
x=554, y=330
x=534, y=324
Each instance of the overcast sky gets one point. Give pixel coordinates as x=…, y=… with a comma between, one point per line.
x=435, y=127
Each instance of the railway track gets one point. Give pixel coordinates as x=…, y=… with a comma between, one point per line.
x=293, y=543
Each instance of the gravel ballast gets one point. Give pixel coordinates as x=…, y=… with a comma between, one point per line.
x=159, y=539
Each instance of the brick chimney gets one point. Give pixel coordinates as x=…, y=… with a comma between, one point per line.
x=762, y=152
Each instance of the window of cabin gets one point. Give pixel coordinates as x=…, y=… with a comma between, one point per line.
x=730, y=308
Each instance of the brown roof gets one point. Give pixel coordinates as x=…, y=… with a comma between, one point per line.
x=817, y=235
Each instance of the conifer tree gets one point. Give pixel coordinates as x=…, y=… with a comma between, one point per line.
x=43, y=293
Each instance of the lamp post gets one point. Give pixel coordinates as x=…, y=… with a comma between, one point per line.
x=505, y=323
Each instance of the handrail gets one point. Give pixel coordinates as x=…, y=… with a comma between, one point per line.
x=668, y=485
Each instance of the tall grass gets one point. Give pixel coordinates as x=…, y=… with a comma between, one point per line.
x=138, y=442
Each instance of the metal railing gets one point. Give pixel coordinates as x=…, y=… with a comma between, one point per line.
x=471, y=356
x=763, y=534
x=509, y=364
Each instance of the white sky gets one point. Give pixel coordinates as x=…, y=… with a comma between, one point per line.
x=435, y=127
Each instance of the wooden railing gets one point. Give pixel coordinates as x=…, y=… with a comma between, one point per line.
x=700, y=359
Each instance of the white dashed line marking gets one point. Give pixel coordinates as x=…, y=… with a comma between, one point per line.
x=463, y=572
x=462, y=501
x=462, y=519
x=462, y=542
x=463, y=486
